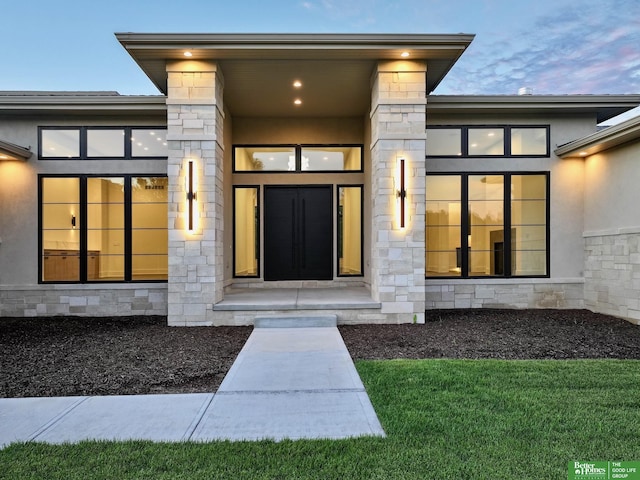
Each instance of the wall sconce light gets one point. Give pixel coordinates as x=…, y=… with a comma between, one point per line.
x=190, y=187
x=401, y=192
x=73, y=221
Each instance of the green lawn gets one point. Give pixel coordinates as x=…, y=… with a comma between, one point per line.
x=445, y=419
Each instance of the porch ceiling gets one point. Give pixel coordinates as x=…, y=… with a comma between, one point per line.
x=259, y=69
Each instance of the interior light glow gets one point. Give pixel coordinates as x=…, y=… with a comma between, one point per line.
x=404, y=54
x=188, y=54
x=297, y=84
x=297, y=101
x=583, y=154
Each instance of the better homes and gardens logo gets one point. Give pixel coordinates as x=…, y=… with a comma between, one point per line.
x=604, y=470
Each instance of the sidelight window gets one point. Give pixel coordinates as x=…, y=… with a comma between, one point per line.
x=349, y=230
x=246, y=231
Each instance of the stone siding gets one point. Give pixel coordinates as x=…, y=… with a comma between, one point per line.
x=195, y=116
x=525, y=293
x=612, y=274
x=83, y=300
x=398, y=120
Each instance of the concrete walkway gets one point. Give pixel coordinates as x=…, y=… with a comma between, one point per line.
x=287, y=383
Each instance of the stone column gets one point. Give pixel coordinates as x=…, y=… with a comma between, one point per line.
x=398, y=130
x=195, y=124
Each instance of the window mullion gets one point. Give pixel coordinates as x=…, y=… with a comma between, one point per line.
x=83, y=250
x=507, y=226
x=127, y=229
x=464, y=226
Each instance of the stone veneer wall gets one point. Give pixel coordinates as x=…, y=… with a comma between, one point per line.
x=398, y=129
x=503, y=293
x=612, y=273
x=85, y=300
x=195, y=116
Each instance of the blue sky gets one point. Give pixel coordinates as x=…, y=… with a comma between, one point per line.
x=552, y=46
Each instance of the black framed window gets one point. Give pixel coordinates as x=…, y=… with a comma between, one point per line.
x=297, y=158
x=80, y=143
x=103, y=228
x=487, y=224
x=488, y=141
x=350, y=228
x=246, y=231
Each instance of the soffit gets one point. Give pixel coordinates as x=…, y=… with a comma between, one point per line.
x=259, y=69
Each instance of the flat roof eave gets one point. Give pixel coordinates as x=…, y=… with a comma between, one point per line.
x=603, y=106
x=151, y=51
x=610, y=137
x=80, y=102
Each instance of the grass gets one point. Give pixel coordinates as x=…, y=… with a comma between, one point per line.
x=445, y=419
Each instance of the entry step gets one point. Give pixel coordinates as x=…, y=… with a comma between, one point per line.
x=295, y=321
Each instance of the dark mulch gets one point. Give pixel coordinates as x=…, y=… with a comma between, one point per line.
x=502, y=334
x=107, y=356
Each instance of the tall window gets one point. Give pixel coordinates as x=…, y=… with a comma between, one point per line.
x=349, y=230
x=103, y=228
x=487, y=225
x=246, y=231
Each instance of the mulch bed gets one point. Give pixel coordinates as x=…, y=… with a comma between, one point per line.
x=64, y=356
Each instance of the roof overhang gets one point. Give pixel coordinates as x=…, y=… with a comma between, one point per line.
x=41, y=102
x=252, y=64
x=9, y=151
x=605, y=139
x=603, y=107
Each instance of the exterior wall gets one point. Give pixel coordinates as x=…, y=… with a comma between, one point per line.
x=86, y=300
x=505, y=293
x=564, y=287
x=398, y=119
x=20, y=293
x=612, y=233
x=195, y=117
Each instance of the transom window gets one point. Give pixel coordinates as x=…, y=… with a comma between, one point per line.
x=297, y=158
x=488, y=141
x=103, y=228
x=102, y=142
x=487, y=225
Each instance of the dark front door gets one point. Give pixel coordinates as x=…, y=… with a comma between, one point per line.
x=298, y=235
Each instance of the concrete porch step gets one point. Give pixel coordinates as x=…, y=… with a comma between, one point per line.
x=295, y=321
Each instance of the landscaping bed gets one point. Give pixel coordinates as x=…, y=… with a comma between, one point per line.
x=62, y=356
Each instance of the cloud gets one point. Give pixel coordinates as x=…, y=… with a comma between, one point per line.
x=587, y=48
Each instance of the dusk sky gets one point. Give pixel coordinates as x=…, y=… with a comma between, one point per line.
x=552, y=46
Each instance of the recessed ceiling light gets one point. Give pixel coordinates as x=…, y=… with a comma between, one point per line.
x=583, y=154
x=188, y=54
x=297, y=84
x=297, y=101
x=4, y=157
x=404, y=54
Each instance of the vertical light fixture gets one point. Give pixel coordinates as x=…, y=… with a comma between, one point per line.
x=190, y=188
x=73, y=221
x=401, y=192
